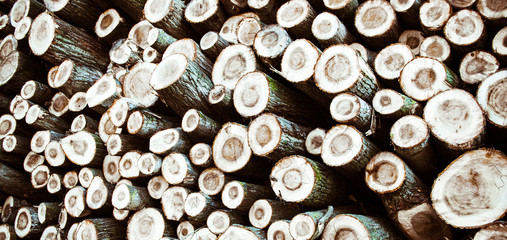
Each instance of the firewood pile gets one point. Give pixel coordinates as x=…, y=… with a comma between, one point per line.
x=258, y=119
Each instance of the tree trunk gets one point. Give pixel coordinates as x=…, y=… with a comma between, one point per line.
x=265, y=212
x=390, y=61
x=32, y=160
x=84, y=123
x=101, y=228
x=220, y=220
x=241, y=195
x=205, y=15
x=477, y=66
x=270, y=43
x=157, y=186
x=350, y=109
x=177, y=170
x=72, y=78
x=168, y=15
x=173, y=202
x=111, y=169
x=70, y=179
x=232, y=63
x=247, y=29
x=438, y=48
x=413, y=39
x=265, y=9
x=212, y=44
x=36, y=92
x=134, y=8
x=131, y=197
x=198, y=206
x=169, y=140
x=473, y=38
x=393, y=105
x=297, y=16
x=144, y=123
x=236, y=230
x=211, y=181
x=48, y=212
x=199, y=126
x=201, y=156
x=159, y=39
x=360, y=226
x=139, y=33
x=84, y=149
x=377, y=32
x=27, y=223
x=111, y=25
x=18, y=68
x=82, y=13
x=75, y=203
x=434, y=15
x=329, y=30
x=149, y=164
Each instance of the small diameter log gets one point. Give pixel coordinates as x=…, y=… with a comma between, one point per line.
x=256, y=92
x=408, y=11
x=100, y=228
x=265, y=212
x=264, y=9
x=178, y=76
x=149, y=164
x=75, y=202
x=350, y=109
x=111, y=168
x=139, y=33
x=480, y=172
x=79, y=13
x=87, y=174
x=177, y=170
x=301, y=180
x=201, y=156
x=211, y=181
x=236, y=230
x=111, y=26
x=472, y=38
x=18, y=68
x=313, y=141
x=59, y=105
x=106, y=128
x=36, y=92
x=27, y=223
x=119, y=144
x=275, y=137
x=71, y=233
x=40, y=176
x=149, y=223
x=10, y=209
x=492, y=231
x=8, y=125
x=377, y=24
x=489, y=97
x=23, y=28
x=212, y=44
x=393, y=105
x=456, y=121
x=17, y=145
x=405, y=197
x=7, y=232
x=199, y=126
x=247, y=29
x=494, y=13
x=298, y=67
x=53, y=233
x=124, y=52
x=19, y=107
x=330, y=30
x=185, y=229
x=41, y=139
x=230, y=26
x=241, y=195
x=192, y=52
x=198, y=206
x=423, y=78
x=157, y=186
x=477, y=66
x=41, y=119
x=220, y=220
x=72, y=78
x=232, y=63
x=173, y=202
x=54, y=185
x=348, y=151
x=433, y=16
x=220, y=98
x=48, y=212
x=136, y=84
x=121, y=215
x=8, y=45
x=78, y=103
x=205, y=15
x=169, y=15
x=150, y=55
x=84, y=123
x=128, y=165
x=144, y=123
x=130, y=197
x=310, y=225
x=100, y=96
x=279, y=230
x=436, y=47
x=413, y=39
x=70, y=179
x=297, y=16
x=359, y=226
x=169, y=140
x=32, y=161
x=54, y=40
x=390, y=61
x=64, y=220
x=99, y=193
x=269, y=45
x=159, y=39
x=24, y=8
x=339, y=69
x=84, y=149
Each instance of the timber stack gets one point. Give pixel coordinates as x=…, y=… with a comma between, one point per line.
x=253, y=119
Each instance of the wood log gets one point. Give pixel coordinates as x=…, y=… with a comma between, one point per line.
x=248, y=29
x=413, y=39
x=496, y=229
x=121, y=109
x=173, y=202
x=32, y=161
x=212, y=44
x=199, y=126
x=230, y=26
x=159, y=39
x=101, y=95
x=169, y=16
x=128, y=165
x=390, y=61
x=111, y=25
x=59, y=105
x=184, y=229
x=405, y=197
x=124, y=52
x=279, y=230
x=5, y=26
x=23, y=28
x=264, y=9
x=36, y=92
x=157, y=186
x=7, y=231
x=220, y=220
x=149, y=164
x=18, y=68
x=177, y=170
x=407, y=11
x=72, y=78
x=16, y=145
x=205, y=15
x=169, y=140
x=304, y=181
x=106, y=128
x=83, y=123
x=201, y=156
x=313, y=141
x=101, y=228
x=423, y=78
x=144, y=123
x=150, y=55
x=239, y=195
x=82, y=13
x=41, y=139
x=393, y=105
x=24, y=8
x=433, y=15
x=87, y=174
x=199, y=205
x=269, y=45
x=350, y=109
x=236, y=230
x=11, y=207
x=334, y=75
x=330, y=30
x=54, y=185
x=8, y=45
x=27, y=223
x=220, y=98
x=54, y=40
x=297, y=16
x=149, y=223
x=121, y=215
x=9, y=126
x=41, y=119
x=53, y=232
x=477, y=66
x=211, y=181
x=78, y=103
x=110, y=168
x=84, y=149
x=232, y=63
x=480, y=171
x=64, y=221
x=48, y=212
x=75, y=202
x=275, y=137
x=71, y=233
x=5, y=102
x=136, y=84
x=436, y=47
x=465, y=41
x=377, y=23
x=40, y=176
x=139, y=33
x=265, y=212
x=492, y=12
x=134, y=8
x=192, y=52
x=130, y=197
x=360, y=226
x=99, y=193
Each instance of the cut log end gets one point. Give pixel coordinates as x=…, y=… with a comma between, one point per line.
x=201, y=155
x=409, y=131
x=251, y=94
x=97, y=193
x=157, y=187
x=190, y=120
x=136, y=84
x=195, y=204
x=121, y=214
x=391, y=60
x=70, y=179
x=271, y=41
x=54, y=183
x=423, y=78
x=345, y=107
x=149, y=164
x=40, y=140
x=164, y=140
x=337, y=69
x=247, y=29
x=147, y=223
x=477, y=66
x=464, y=28
x=63, y=74
x=493, y=231
x=23, y=28
x=121, y=196
x=292, y=179
x=279, y=230
x=40, y=176
x=209, y=40
x=173, y=202
x=385, y=173
x=387, y=101
x=298, y=61
x=218, y=221
x=78, y=102
x=19, y=107
x=314, y=139
x=42, y=33
x=264, y=134
x=23, y=222
x=75, y=202
x=175, y=169
x=239, y=230
x=413, y=39
x=200, y=11
x=110, y=169
x=292, y=13
x=8, y=67
x=499, y=44
x=232, y=63
x=184, y=229
x=260, y=214
x=32, y=160
x=169, y=71
x=302, y=226
x=107, y=22
x=7, y=125
x=490, y=98
x=230, y=148
x=29, y=89
x=434, y=14
x=80, y=147
x=345, y=227
x=435, y=47
x=233, y=194
x=374, y=18
x=139, y=33
x=128, y=164
x=341, y=145
x=211, y=181
x=18, y=11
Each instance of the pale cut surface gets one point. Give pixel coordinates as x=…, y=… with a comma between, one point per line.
x=292, y=179
x=423, y=78
x=385, y=173
x=401, y=5
x=345, y=107
x=139, y=33
x=238, y=232
x=413, y=39
x=341, y=144
x=337, y=69
x=492, y=97
x=464, y=27
x=55, y=5
x=211, y=181
x=499, y=45
x=435, y=47
x=78, y=102
x=157, y=186
x=174, y=168
x=314, y=139
x=97, y=193
x=184, y=229
x=54, y=154
x=302, y=226
x=185, y=46
x=292, y=13
x=23, y=222
x=107, y=22
x=231, y=151
x=199, y=11
x=75, y=202
x=434, y=13
x=327, y=25
x=43, y=33
x=136, y=84
x=260, y=213
x=195, y=203
x=200, y=154
x=19, y=10
x=247, y=29
x=208, y=40
x=391, y=60
x=230, y=26
x=233, y=194
x=164, y=140
x=251, y=94
x=168, y=71
x=279, y=230
x=298, y=61
x=477, y=66
x=497, y=230
x=264, y=134
x=203, y=233
x=271, y=41
x=232, y=63
x=8, y=67
x=374, y=18
x=79, y=147
x=387, y=101
x=147, y=223
x=23, y=28
x=409, y=131
x=218, y=222
x=7, y=125
x=345, y=227
x=101, y=90
x=156, y=10
x=173, y=202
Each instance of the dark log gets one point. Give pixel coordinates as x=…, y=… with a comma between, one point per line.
x=199, y=126
x=168, y=15
x=150, y=55
x=330, y=30
x=101, y=228
x=408, y=11
x=41, y=119
x=7, y=232
x=230, y=26
x=436, y=47
x=405, y=197
x=206, y=15
x=343, y=9
x=5, y=26
x=22, y=30
x=232, y=63
x=200, y=155
x=128, y=165
x=149, y=223
x=83, y=13
x=313, y=141
x=159, y=39
x=119, y=144
x=100, y=96
x=54, y=40
x=134, y=8
x=465, y=41
x=110, y=168
x=360, y=226
x=72, y=78
x=32, y=161
x=130, y=197
x=265, y=9
x=177, y=170
x=11, y=207
x=413, y=39
x=241, y=195
x=4, y=102
x=99, y=193
x=17, y=145
x=433, y=15
x=301, y=180
x=350, y=109
x=139, y=33
x=264, y=212
x=144, y=123
x=220, y=220
x=36, y=92
x=84, y=123
x=198, y=206
x=297, y=17
x=390, y=61
x=367, y=54
x=192, y=52
x=244, y=231
x=393, y=105
x=377, y=24
x=173, y=202
x=169, y=140
x=157, y=187
x=27, y=223
x=247, y=29
x=111, y=25
x=477, y=66
x=48, y=212
x=84, y=149
x=18, y=68
x=220, y=98
x=125, y=52
x=70, y=179
x=211, y=181
x=269, y=45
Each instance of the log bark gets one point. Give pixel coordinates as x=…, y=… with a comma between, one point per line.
x=220, y=220
x=405, y=197
x=41, y=139
x=84, y=149
x=159, y=39
x=111, y=25
x=360, y=226
x=157, y=186
x=101, y=95
x=200, y=155
x=149, y=223
x=72, y=78
x=393, y=105
x=173, y=202
x=232, y=63
x=413, y=39
x=264, y=9
x=169, y=140
x=433, y=16
x=239, y=195
x=477, y=66
x=408, y=11
x=496, y=229
x=330, y=30
x=297, y=16
x=265, y=212
x=41, y=119
x=199, y=126
x=492, y=12
x=205, y=15
x=36, y=92
x=130, y=197
x=350, y=109
x=83, y=13
x=461, y=41
x=134, y=8
x=101, y=228
x=269, y=44
x=11, y=207
x=220, y=99
x=177, y=170
x=27, y=223
x=8, y=232
x=192, y=52
x=279, y=230
x=390, y=61
x=75, y=203
x=84, y=123
x=18, y=68
x=16, y=145
x=377, y=23
x=48, y=212
x=128, y=165
x=436, y=47
x=144, y=123
x=169, y=15
x=212, y=44
x=121, y=109
x=199, y=205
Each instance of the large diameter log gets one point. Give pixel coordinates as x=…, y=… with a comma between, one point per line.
x=111, y=26
x=330, y=30
x=269, y=44
x=101, y=95
x=241, y=195
x=101, y=228
x=178, y=76
x=237, y=231
x=27, y=223
x=433, y=15
x=99, y=193
x=199, y=205
x=301, y=180
x=423, y=78
x=75, y=202
x=144, y=123
x=84, y=148
x=8, y=45
x=393, y=105
x=149, y=223
x=339, y=69
x=232, y=63
x=248, y=29
x=18, y=68
x=169, y=140
x=413, y=39
x=279, y=230
x=456, y=120
x=477, y=66
x=265, y=212
x=205, y=15
x=54, y=40
x=24, y=8
x=360, y=227
x=489, y=97
x=297, y=16
x=169, y=15
x=79, y=13
x=212, y=44
x=480, y=172
x=173, y=202
x=275, y=137
x=177, y=170
x=405, y=197
x=390, y=61
x=350, y=109
x=377, y=24
x=464, y=41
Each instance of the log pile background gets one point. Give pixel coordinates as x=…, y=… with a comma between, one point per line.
x=258, y=119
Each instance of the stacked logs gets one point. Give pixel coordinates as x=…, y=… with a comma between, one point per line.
x=207, y=119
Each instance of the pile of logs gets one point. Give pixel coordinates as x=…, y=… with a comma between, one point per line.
x=258, y=119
